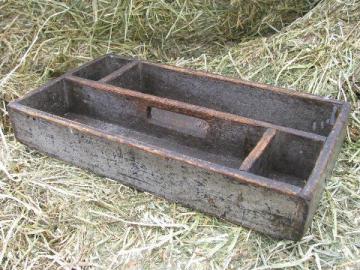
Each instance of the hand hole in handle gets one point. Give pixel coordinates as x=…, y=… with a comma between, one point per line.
x=179, y=122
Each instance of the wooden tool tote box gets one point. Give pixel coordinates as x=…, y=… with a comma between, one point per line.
x=253, y=154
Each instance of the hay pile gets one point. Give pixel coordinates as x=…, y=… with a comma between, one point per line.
x=57, y=216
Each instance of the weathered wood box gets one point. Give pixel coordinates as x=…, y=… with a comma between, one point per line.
x=250, y=153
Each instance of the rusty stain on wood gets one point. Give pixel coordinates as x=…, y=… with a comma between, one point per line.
x=253, y=154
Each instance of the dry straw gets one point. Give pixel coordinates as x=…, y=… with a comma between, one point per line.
x=55, y=216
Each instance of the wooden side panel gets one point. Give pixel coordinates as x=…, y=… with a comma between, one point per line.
x=259, y=208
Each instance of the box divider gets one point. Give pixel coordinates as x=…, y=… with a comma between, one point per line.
x=258, y=150
x=115, y=74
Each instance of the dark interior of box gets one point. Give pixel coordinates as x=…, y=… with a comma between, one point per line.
x=255, y=103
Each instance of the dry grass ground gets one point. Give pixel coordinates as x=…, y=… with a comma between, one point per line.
x=55, y=216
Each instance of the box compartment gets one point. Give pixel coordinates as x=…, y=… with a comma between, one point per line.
x=216, y=140
x=310, y=115
x=287, y=158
